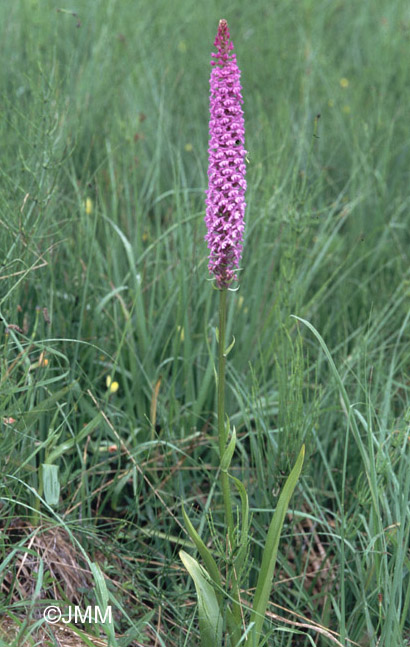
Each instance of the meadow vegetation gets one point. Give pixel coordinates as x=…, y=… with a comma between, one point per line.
x=107, y=329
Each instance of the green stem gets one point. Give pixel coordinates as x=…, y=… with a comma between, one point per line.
x=222, y=430
x=223, y=440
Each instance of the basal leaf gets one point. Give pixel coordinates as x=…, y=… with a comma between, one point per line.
x=210, y=618
x=264, y=584
x=203, y=550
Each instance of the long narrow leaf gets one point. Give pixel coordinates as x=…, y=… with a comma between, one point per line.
x=205, y=553
x=243, y=542
x=210, y=617
x=264, y=584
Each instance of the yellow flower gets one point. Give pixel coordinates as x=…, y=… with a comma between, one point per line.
x=41, y=363
x=42, y=360
x=88, y=206
x=344, y=83
x=189, y=148
x=111, y=386
x=182, y=47
x=346, y=110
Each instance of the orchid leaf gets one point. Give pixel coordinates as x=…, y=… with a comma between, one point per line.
x=264, y=583
x=231, y=345
x=210, y=617
x=205, y=553
x=243, y=542
x=228, y=453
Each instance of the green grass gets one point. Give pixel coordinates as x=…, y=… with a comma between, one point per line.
x=111, y=105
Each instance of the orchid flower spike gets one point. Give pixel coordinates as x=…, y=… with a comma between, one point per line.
x=225, y=197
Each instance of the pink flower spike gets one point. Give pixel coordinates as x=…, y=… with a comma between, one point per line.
x=225, y=197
